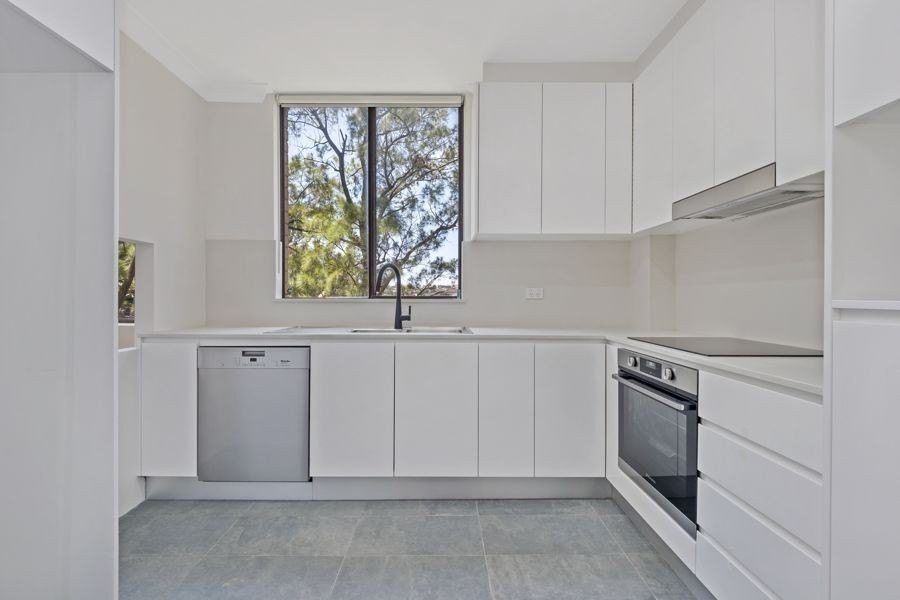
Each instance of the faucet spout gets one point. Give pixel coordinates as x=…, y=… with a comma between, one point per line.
x=399, y=317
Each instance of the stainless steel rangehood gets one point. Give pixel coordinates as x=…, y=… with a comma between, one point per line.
x=748, y=195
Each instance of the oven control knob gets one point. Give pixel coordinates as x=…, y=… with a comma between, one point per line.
x=668, y=374
x=632, y=361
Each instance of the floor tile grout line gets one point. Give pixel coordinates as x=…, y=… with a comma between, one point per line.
x=487, y=569
x=639, y=574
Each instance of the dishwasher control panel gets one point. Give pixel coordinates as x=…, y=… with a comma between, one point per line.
x=253, y=358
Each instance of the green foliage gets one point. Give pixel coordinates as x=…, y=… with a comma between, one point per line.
x=416, y=208
x=126, y=282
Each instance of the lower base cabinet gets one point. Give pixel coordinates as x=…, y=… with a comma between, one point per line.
x=569, y=410
x=436, y=410
x=351, y=410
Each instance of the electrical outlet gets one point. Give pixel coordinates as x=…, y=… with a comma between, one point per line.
x=534, y=293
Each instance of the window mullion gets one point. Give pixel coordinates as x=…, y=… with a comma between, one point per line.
x=371, y=225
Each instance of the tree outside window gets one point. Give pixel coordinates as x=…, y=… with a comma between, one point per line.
x=336, y=233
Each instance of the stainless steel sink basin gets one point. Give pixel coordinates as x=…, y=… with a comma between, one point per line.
x=414, y=330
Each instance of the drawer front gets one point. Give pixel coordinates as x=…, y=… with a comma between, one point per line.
x=777, y=562
x=791, y=499
x=723, y=577
x=785, y=424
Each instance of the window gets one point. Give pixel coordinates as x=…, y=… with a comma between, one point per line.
x=126, y=282
x=336, y=233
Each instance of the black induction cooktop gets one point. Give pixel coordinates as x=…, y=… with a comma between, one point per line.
x=727, y=346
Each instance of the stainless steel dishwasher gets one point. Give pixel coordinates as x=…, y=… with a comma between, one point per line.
x=253, y=414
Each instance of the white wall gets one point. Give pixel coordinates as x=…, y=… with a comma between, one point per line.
x=57, y=318
x=761, y=277
x=162, y=125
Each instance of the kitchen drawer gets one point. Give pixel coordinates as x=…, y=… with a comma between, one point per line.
x=768, y=554
x=787, y=425
x=792, y=499
x=723, y=577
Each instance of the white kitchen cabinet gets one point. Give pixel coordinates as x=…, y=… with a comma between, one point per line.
x=744, y=86
x=783, y=565
x=723, y=576
x=169, y=409
x=436, y=404
x=799, y=81
x=748, y=410
x=506, y=410
x=351, y=412
x=865, y=523
x=509, y=158
x=619, y=128
x=573, y=157
x=612, y=416
x=693, y=96
x=569, y=410
x=791, y=497
x=865, y=45
x=653, y=140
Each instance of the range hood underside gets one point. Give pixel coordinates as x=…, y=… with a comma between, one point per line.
x=748, y=195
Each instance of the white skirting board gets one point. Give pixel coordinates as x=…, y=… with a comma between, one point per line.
x=388, y=488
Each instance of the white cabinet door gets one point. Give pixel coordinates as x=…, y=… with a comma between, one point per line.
x=653, y=143
x=745, y=86
x=351, y=411
x=864, y=445
x=509, y=158
x=618, y=157
x=569, y=410
x=694, y=105
x=505, y=410
x=436, y=402
x=573, y=154
x=612, y=416
x=865, y=46
x=169, y=409
x=799, y=81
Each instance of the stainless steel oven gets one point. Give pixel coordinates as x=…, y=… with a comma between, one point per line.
x=658, y=432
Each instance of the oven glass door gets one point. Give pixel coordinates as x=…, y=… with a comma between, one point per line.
x=658, y=440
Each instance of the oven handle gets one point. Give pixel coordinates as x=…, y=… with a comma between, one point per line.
x=651, y=393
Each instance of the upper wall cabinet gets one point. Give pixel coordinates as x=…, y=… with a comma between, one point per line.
x=865, y=36
x=509, y=158
x=618, y=157
x=693, y=110
x=548, y=156
x=88, y=25
x=799, y=89
x=653, y=166
x=744, y=86
x=573, y=154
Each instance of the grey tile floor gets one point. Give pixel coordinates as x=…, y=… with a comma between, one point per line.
x=435, y=550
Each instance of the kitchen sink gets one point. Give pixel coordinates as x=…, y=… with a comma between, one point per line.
x=451, y=330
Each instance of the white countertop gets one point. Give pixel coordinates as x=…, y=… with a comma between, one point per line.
x=798, y=373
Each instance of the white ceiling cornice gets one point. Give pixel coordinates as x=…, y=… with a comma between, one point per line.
x=138, y=28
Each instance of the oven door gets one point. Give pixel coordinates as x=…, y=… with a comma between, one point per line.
x=658, y=446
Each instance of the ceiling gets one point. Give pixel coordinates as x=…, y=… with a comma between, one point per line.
x=229, y=49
